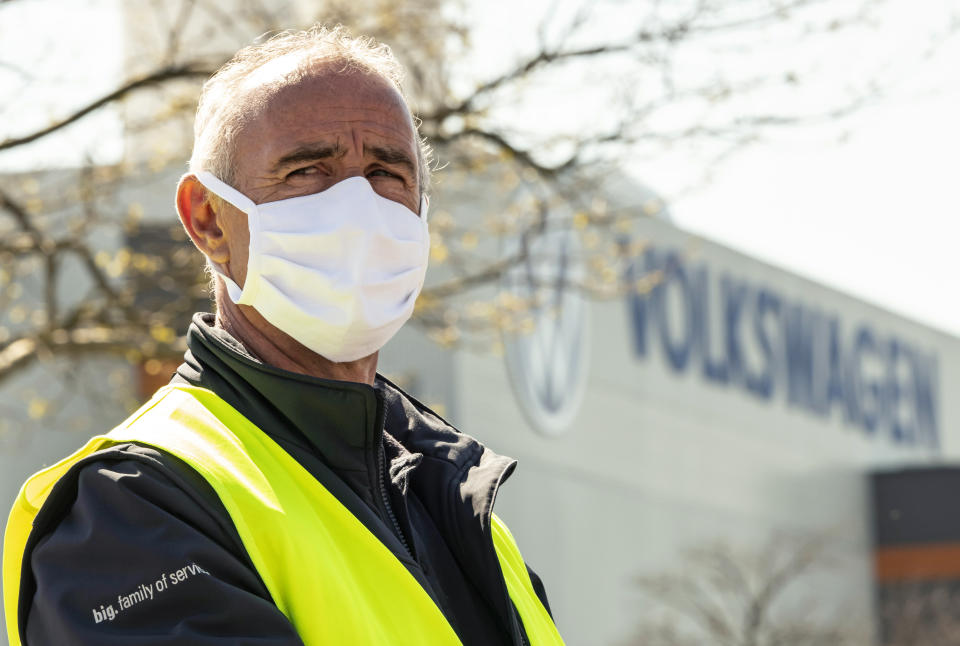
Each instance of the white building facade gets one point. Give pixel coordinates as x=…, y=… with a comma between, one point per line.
x=733, y=402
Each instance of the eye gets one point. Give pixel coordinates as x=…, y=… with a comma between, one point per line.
x=302, y=172
x=380, y=172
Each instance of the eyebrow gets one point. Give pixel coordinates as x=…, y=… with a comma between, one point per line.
x=391, y=155
x=308, y=153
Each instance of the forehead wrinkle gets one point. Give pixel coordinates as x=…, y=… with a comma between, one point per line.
x=361, y=118
x=266, y=94
x=331, y=118
x=386, y=119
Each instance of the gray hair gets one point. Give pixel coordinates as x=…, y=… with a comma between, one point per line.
x=219, y=115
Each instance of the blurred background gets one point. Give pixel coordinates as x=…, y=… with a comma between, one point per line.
x=692, y=264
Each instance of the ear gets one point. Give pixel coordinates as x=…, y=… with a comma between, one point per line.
x=200, y=219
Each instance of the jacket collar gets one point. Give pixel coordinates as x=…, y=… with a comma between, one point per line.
x=338, y=419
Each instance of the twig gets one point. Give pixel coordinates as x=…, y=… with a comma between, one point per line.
x=189, y=70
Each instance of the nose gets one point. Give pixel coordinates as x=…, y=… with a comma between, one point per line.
x=351, y=166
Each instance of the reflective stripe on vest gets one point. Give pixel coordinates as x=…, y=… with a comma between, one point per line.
x=332, y=578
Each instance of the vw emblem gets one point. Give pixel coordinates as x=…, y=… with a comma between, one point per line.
x=547, y=362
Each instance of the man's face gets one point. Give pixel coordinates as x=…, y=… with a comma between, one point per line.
x=308, y=136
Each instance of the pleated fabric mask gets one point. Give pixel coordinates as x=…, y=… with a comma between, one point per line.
x=339, y=270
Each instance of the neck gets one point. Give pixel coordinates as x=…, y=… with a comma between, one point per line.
x=278, y=349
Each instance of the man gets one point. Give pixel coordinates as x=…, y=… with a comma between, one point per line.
x=279, y=491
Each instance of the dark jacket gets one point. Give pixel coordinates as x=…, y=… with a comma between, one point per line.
x=125, y=515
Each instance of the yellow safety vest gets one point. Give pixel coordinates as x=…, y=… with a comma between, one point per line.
x=332, y=578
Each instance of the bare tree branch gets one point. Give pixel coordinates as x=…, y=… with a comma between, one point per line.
x=185, y=71
x=540, y=59
x=736, y=598
x=177, y=29
x=84, y=341
x=16, y=69
x=20, y=216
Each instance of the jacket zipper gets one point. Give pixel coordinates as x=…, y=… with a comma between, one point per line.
x=381, y=479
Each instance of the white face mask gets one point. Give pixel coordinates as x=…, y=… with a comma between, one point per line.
x=339, y=270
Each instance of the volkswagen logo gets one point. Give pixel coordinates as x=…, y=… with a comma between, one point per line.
x=547, y=361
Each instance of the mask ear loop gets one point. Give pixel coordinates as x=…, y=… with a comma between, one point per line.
x=226, y=192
